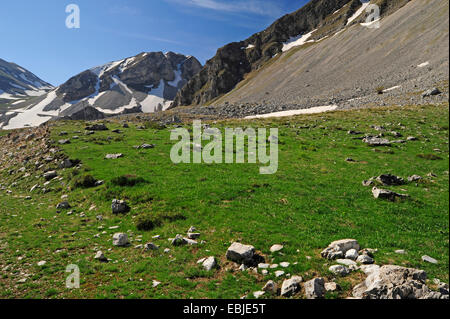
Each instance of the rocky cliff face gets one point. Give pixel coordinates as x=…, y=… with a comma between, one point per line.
x=146, y=83
x=232, y=62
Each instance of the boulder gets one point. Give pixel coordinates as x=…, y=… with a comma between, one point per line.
x=96, y=127
x=50, y=175
x=414, y=178
x=119, y=207
x=276, y=248
x=291, y=286
x=429, y=259
x=395, y=282
x=331, y=287
x=376, y=141
x=63, y=205
x=271, y=287
x=339, y=248
x=351, y=254
x=209, y=264
x=113, y=156
x=431, y=92
x=120, y=240
x=365, y=260
x=315, y=288
x=339, y=270
x=240, y=253
x=386, y=194
x=390, y=180
x=100, y=256
x=151, y=246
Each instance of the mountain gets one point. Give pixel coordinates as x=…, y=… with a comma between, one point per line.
x=315, y=23
x=146, y=83
x=17, y=83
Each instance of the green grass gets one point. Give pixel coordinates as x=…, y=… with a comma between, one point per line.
x=315, y=197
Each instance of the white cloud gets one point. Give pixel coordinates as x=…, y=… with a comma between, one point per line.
x=258, y=7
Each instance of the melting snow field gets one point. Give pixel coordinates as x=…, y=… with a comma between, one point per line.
x=33, y=116
x=155, y=97
x=313, y=110
x=297, y=41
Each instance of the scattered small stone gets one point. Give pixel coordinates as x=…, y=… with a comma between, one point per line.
x=178, y=241
x=331, y=287
x=366, y=260
x=285, y=264
x=113, y=156
x=151, y=246
x=400, y=252
x=63, y=142
x=193, y=235
x=376, y=141
x=414, y=178
x=63, y=205
x=429, y=259
x=276, y=248
x=155, y=283
x=271, y=287
x=50, y=175
x=279, y=273
x=411, y=138
x=263, y=266
x=209, y=264
x=41, y=263
x=339, y=270
x=100, y=256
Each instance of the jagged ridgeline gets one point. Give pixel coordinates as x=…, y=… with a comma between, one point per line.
x=227, y=68
x=146, y=83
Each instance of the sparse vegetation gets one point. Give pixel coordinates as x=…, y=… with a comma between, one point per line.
x=315, y=197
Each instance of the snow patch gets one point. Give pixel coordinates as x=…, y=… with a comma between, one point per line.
x=392, y=88
x=34, y=116
x=313, y=110
x=422, y=65
x=297, y=41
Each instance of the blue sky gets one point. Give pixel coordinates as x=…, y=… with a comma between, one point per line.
x=33, y=33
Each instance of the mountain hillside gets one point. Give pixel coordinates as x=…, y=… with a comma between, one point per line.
x=146, y=83
x=315, y=23
x=358, y=66
x=17, y=83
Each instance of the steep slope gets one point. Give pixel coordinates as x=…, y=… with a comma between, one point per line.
x=407, y=55
x=232, y=62
x=17, y=83
x=146, y=83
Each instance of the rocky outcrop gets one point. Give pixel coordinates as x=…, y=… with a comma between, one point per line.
x=395, y=282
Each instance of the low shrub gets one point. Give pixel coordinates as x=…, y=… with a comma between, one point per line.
x=127, y=180
x=149, y=221
x=84, y=181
